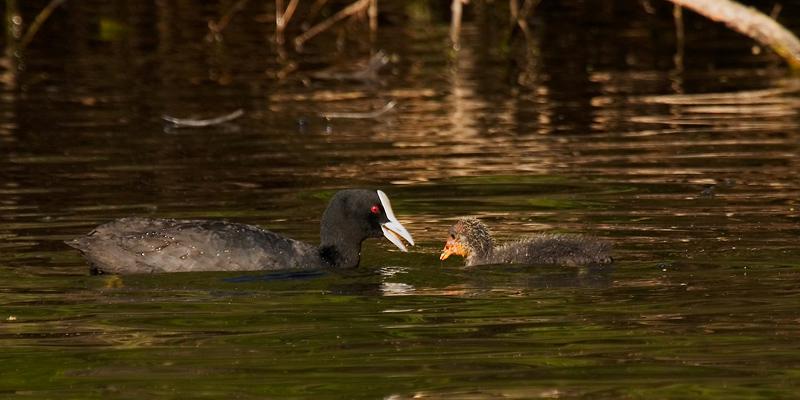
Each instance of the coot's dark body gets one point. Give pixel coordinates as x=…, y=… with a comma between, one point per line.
x=149, y=245
x=471, y=239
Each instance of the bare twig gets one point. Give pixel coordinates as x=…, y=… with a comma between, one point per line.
x=287, y=69
x=360, y=115
x=13, y=25
x=290, y=9
x=527, y=7
x=313, y=11
x=368, y=73
x=677, y=14
x=513, y=9
x=372, y=11
x=776, y=10
x=278, y=18
x=37, y=23
x=647, y=6
x=282, y=18
x=219, y=26
x=522, y=17
x=456, y=7
x=199, y=123
x=8, y=62
x=315, y=30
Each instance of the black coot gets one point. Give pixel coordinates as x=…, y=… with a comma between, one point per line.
x=149, y=245
x=471, y=239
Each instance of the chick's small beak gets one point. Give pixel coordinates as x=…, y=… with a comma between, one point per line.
x=452, y=246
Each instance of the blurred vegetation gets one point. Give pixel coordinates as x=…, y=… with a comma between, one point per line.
x=289, y=27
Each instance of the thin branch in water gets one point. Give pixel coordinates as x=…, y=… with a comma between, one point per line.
x=354, y=8
x=677, y=14
x=287, y=69
x=518, y=17
x=456, y=7
x=282, y=18
x=513, y=9
x=361, y=115
x=647, y=6
x=290, y=9
x=776, y=10
x=13, y=24
x=367, y=73
x=37, y=23
x=522, y=17
x=527, y=7
x=312, y=12
x=372, y=11
x=200, y=123
x=216, y=27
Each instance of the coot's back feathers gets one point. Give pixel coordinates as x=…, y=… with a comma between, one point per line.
x=149, y=245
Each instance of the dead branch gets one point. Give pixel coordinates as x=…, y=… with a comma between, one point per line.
x=216, y=27
x=520, y=15
x=680, y=36
x=750, y=22
x=372, y=12
x=367, y=73
x=352, y=9
x=282, y=18
x=37, y=23
x=456, y=8
x=312, y=12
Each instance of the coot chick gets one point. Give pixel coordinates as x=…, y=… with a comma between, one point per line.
x=470, y=238
x=150, y=245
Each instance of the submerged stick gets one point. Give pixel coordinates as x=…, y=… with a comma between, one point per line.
x=750, y=22
x=360, y=115
x=199, y=123
x=368, y=73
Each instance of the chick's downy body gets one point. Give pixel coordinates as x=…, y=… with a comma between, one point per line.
x=471, y=238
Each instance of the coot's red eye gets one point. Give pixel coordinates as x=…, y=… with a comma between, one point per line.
x=375, y=209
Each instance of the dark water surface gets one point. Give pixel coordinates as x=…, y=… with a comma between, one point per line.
x=590, y=126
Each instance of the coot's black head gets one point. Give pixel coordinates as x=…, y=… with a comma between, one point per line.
x=357, y=214
x=468, y=237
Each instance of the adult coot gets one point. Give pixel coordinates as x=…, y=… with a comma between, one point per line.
x=470, y=238
x=149, y=245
